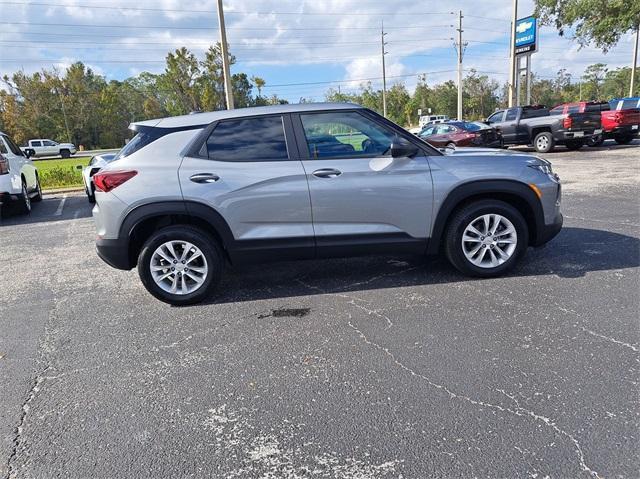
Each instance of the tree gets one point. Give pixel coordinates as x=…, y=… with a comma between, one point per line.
x=593, y=79
x=480, y=97
x=601, y=22
x=259, y=83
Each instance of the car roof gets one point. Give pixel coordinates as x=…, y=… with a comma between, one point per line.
x=206, y=118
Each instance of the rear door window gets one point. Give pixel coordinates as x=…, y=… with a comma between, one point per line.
x=248, y=139
x=512, y=113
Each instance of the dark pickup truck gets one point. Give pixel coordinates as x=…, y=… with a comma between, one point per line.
x=534, y=125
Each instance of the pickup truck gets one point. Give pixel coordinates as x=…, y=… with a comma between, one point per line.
x=619, y=124
x=534, y=125
x=44, y=147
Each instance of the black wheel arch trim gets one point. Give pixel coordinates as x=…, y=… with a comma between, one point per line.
x=483, y=188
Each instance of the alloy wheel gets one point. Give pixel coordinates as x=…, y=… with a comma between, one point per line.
x=489, y=241
x=178, y=267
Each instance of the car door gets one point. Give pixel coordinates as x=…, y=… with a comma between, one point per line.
x=359, y=193
x=50, y=148
x=248, y=170
x=36, y=145
x=509, y=126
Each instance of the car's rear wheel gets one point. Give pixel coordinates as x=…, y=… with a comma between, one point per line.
x=180, y=265
x=451, y=145
x=23, y=205
x=38, y=197
x=486, y=238
x=543, y=142
x=574, y=145
x=595, y=140
x=623, y=139
x=65, y=153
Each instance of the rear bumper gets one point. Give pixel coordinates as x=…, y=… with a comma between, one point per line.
x=622, y=130
x=574, y=135
x=114, y=252
x=548, y=232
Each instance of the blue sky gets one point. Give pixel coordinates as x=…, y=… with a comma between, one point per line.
x=285, y=42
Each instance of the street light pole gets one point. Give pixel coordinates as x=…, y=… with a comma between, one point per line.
x=384, y=74
x=635, y=61
x=512, y=70
x=226, y=71
x=460, y=52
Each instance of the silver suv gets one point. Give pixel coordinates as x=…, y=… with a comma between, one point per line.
x=190, y=195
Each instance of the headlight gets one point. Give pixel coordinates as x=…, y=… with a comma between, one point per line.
x=545, y=168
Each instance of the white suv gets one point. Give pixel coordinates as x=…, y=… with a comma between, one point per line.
x=19, y=182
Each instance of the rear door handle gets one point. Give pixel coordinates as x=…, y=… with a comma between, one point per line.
x=327, y=173
x=204, y=178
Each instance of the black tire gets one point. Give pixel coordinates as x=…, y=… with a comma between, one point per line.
x=23, y=205
x=463, y=217
x=595, y=140
x=451, y=145
x=65, y=153
x=543, y=142
x=207, y=245
x=38, y=197
x=91, y=193
x=623, y=139
x=574, y=145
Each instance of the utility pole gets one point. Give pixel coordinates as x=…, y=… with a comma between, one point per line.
x=225, y=58
x=384, y=74
x=512, y=71
x=635, y=61
x=460, y=53
x=64, y=114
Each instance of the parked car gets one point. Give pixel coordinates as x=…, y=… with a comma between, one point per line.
x=95, y=164
x=432, y=119
x=19, y=182
x=189, y=195
x=43, y=147
x=461, y=133
x=534, y=125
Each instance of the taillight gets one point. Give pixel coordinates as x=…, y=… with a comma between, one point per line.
x=567, y=122
x=4, y=165
x=108, y=180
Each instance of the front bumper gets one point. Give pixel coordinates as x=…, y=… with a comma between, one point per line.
x=114, y=252
x=548, y=232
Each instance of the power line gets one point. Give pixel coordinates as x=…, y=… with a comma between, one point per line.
x=230, y=12
x=170, y=27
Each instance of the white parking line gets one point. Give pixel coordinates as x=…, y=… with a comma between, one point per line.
x=60, y=206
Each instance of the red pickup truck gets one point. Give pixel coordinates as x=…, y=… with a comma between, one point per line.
x=620, y=124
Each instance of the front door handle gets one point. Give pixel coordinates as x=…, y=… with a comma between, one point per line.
x=327, y=173
x=204, y=178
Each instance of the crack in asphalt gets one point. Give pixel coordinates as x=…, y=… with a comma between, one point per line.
x=519, y=411
x=15, y=443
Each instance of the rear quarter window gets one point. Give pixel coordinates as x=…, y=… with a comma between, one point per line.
x=248, y=139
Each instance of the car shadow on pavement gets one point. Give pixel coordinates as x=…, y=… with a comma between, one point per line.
x=572, y=254
x=56, y=208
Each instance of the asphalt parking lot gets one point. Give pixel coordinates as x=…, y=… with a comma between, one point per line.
x=381, y=367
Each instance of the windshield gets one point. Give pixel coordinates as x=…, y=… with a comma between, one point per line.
x=466, y=125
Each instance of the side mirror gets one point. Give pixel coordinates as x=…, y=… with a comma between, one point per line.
x=401, y=148
x=29, y=152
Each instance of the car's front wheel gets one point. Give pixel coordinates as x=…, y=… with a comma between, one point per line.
x=180, y=265
x=543, y=142
x=486, y=238
x=623, y=139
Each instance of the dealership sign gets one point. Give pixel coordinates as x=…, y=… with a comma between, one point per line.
x=526, y=40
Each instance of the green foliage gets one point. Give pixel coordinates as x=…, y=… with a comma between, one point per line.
x=601, y=22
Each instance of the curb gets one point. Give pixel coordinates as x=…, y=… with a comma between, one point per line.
x=54, y=191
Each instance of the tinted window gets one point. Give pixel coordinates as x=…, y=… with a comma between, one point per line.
x=142, y=139
x=251, y=139
x=36, y=143
x=559, y=110
x=3, y=149
x=428, y=131
x=511, y=114
x=48, y=143
x=629, y=103
x=534, y=112
x=13, y=147
x=345, y=135
x=573, y=109
x=496, y=117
